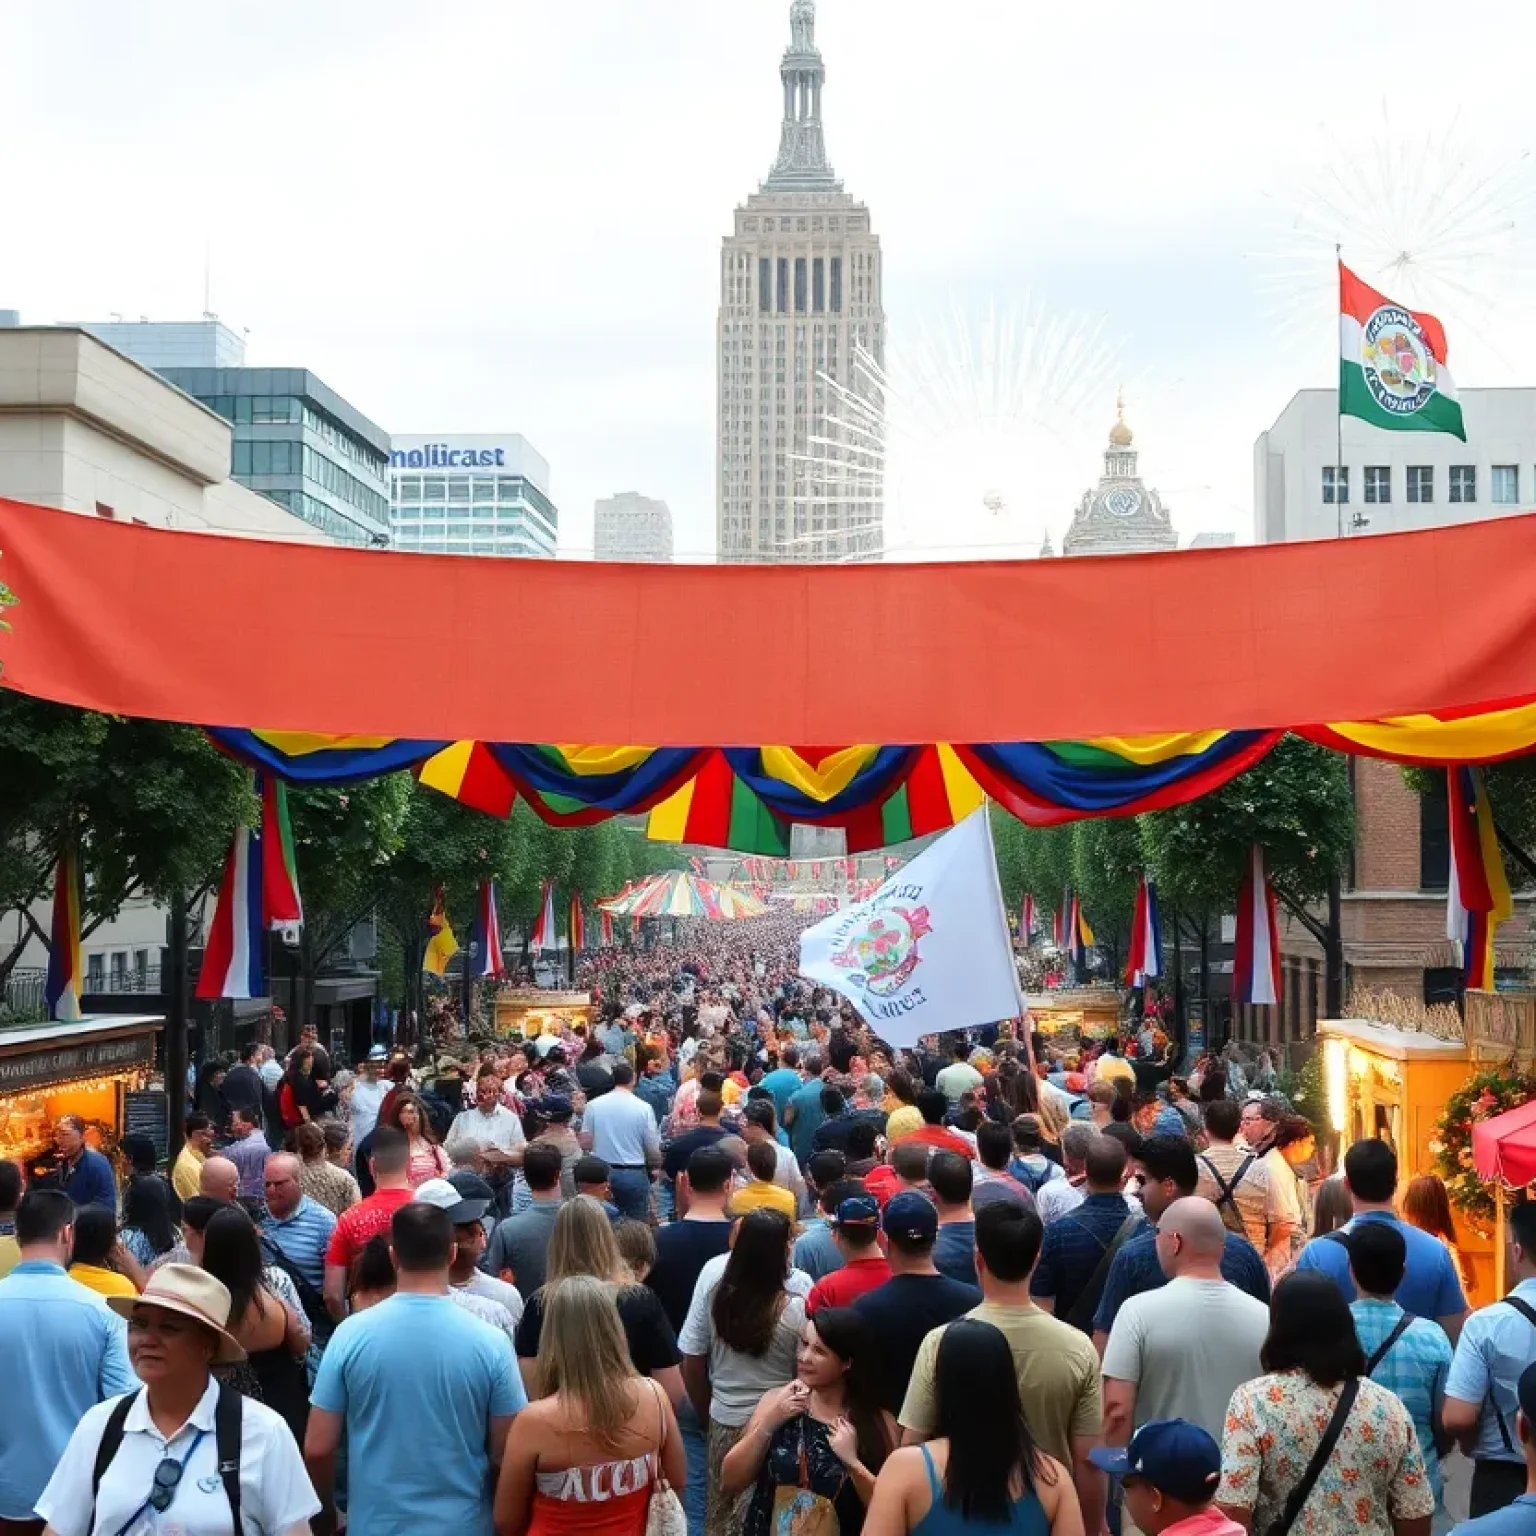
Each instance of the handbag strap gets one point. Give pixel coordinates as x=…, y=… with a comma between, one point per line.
x=1385, y=1347
x=1299, y=1493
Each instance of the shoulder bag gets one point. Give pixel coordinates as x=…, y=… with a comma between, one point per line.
x=664, y=1514
x=1299, y=1493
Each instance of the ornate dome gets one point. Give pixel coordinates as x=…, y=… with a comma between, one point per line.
x=1120, y=434
x=1122, y=514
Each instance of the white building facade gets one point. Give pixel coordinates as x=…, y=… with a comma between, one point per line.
x=1391, y=481
x=478, y=494
x=800, y=303
x=632, y=527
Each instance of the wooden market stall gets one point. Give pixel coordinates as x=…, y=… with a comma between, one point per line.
x=530, y=1011
x=1075, y=1014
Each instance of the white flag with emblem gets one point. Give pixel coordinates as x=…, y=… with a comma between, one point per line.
x=931, y=950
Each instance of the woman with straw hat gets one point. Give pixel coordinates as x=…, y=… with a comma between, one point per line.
x=182, y=1452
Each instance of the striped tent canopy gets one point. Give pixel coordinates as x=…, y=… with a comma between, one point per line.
x=676, y=894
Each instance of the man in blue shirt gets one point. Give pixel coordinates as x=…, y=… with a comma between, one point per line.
x=84, y=1174
x=1168, y=1173
x=64, y=1352
x=784, y=1080
x=802, y=1114
x=1076, y=1244
x=1431, y=1287
x=1517, y=1518
x=1483, y=1390
x=657, y=1086
x=424, y=1431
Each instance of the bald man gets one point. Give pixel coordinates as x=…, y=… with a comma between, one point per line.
x=1179, y=1352
x=219, y=1178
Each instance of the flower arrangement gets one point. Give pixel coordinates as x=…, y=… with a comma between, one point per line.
x=1492, y=1092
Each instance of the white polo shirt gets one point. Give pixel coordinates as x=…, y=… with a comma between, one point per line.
x=501, y=1128
x=276, y=1493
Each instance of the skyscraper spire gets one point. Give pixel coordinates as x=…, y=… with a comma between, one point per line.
x=802, y=164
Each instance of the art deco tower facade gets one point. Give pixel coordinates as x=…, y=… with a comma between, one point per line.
x=800, y=305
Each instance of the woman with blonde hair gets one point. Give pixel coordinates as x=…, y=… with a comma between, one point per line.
x=586, y=1454
x=582, y=1244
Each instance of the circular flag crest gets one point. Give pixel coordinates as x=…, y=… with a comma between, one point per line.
x=882, y=953
x=1398, y=365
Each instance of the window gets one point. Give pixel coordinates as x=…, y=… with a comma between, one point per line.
x=1506, y=485
x=819, y=285
x=261, y=458
x=782, y=301
x=1329, y=472
x=119, y=969
x=835, y=303
x=95, y=973
x=141, y=969
x=1463, y=482
x=1434, y=837
x=1421, y=483
x=1378, y=484
x=799, y=285
x=104, y=510
x=764, y=283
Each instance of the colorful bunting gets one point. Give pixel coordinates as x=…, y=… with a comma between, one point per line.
x=1479, y=897
x=1144, y=961
x=283, y=906
x=576, y=925
x=490, y=963
x=66, y=970
x=442, y=946
x=1256, y=954
x=544, y=935
x=232, y=958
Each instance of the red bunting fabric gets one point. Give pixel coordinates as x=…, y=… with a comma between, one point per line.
x=238, y=632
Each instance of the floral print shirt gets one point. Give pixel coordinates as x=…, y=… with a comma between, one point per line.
x=1375, y=1474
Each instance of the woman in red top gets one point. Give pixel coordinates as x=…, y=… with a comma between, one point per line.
x=428, y=1160
x=585, y=1457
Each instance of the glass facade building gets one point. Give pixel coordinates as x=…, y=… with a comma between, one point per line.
x=300, y=443
x=486, y=494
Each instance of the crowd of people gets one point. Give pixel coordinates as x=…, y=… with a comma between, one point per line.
x=726, y=1263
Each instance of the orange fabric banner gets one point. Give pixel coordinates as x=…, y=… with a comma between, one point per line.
x=234, y=632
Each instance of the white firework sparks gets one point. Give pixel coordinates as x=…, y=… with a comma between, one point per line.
x=979, y=435
x=1424, y=215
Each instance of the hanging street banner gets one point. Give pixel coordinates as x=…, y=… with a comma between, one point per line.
x=931, y=950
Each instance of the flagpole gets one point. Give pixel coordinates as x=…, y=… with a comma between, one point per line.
x=1002, y=907
x=1338, y=400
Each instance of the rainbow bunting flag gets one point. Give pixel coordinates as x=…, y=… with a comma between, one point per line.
x=441, y=944
x=1144, y=960
x=283, y=907
x=66, y=971
x=544, y=935
x=488, y=933
x=576, y=925
x=1479, y=897
x=1256, y=953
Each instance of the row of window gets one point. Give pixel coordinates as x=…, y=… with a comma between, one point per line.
x=96, y=970
x=341, y=483
x=256, y=410
x=334, y=435
x=458, y=488
x=818, y=285
x=326, y=518
x=1419, y=486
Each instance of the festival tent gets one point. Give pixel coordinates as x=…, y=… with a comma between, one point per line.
x=675, y=894
x=1504, y=1153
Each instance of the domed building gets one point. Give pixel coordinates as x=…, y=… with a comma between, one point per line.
x=1121, y=516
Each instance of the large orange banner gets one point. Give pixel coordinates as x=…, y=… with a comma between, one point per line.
x=225, y=631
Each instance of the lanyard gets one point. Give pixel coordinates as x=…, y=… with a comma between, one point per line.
x=128, y=1524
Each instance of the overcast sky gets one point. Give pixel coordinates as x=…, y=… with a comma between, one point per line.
x=501, y=215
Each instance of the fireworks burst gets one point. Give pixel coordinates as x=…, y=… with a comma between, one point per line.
x=979, y=435
x=1425, y=216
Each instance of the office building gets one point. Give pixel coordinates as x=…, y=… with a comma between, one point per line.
x=800, y=302
x=471, y=495
x=1391, y=482
x=633, y=527
x=1121, y=515
x=300, y=443
x=204, y=343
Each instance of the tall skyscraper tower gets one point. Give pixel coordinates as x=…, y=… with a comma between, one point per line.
x=798, y=466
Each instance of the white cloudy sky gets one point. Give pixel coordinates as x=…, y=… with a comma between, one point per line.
x=506, y=214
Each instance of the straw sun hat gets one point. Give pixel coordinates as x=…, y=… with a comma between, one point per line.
x=191, y=1292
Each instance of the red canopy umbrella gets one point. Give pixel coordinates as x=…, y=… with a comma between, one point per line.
x=1504, y=1152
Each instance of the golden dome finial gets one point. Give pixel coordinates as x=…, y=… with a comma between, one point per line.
x=1120, y=434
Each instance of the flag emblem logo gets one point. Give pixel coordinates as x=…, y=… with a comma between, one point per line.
x=1398, y=364
x=883, y=954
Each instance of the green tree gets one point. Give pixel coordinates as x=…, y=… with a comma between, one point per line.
x=1107, y=861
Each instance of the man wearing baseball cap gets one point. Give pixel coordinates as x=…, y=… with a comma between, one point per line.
x=469, y=1240
x=856, y=1229
x=916, y=1299
x=1171, y=1470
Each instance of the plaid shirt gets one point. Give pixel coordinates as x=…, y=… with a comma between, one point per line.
x=1414, y=1369
x=1073, y=1246
x=1136, y=1270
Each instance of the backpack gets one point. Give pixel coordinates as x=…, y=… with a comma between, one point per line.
x=226, y=1429
x=1033, y=1179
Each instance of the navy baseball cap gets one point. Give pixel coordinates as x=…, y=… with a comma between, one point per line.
x=1174, y=1456
x=911, y=1216
x=553, y=1106
x=857, y=1211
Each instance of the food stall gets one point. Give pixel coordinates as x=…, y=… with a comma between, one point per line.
x=1071, y=1015
x=530, y=1011
x=84, y=1068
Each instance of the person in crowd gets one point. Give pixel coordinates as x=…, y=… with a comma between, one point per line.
x=374, y=1214
x=320, y=1063
x=1167, y=1165
x=1259, y=1122
x=1056, y=1197
x=300, y=1097
x=243, y=1087
x=759, y=1123
x=555, y=1111
x=916, y=1299
x=906, y=1172
x=621, y=1129
x=219, y=1179
x=208, y=1094
x=981, y=1469
x=1481, y=1392
x=586, y=1453
x=98, y=1259
x=408, y=1114
x=195, y=1216
x=114, y=1473
x=582, y=1243
x=1427, y=1206
x=295, y=1234
x=148, y=1233
x=373, y=1276
x=1080, y=1248
x=331, y=1188
x=934, y=1133
x=465, y=1211
x=1409, y=1356
x=1332, y=1208
x=1430, y=1286
x=683, y=1247
x=471, y=1238
x=761, y=1188
x=903, y=1117
x=739, y=1342
x=837, y=1121
x=1171, y=1472
x=1518, y=1517
x=1179, y=1351
x=784, y=1080
x=519, y=1246
x=594, y=1178
x=950, y=1179
x=824, y=1433
x=856, y=1230
x=247, y=1149
x=10, y=1198
x=637, y=1248
x=1373, y=1482
x=84, y=1174
x=63, y=1350
x=368, y=1092
x=959, y=1076
x=1237, y=1180
x=489, y=1124
x=816, y=1250
x=993, y=1179
x=1028, y=1162
x=421, y=1443
x=197, y=1146
x=708, y=1132
x=1056, y=1367
x=656, y=1084
x=265, y=1316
